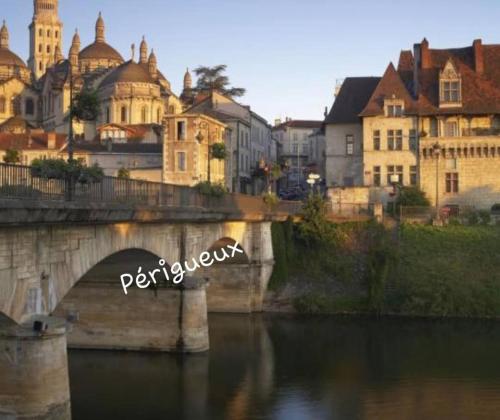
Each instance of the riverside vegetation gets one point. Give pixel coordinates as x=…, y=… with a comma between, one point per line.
x=368, y=268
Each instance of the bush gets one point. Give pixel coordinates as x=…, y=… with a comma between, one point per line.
x=218, y=151
x=60, y=169
x=271, y=199
x=12, y=156
x=123, y=173
x=213, y=190
x=411, y=197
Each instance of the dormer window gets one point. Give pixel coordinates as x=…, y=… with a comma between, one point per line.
x=394, y=107
x=450, y=86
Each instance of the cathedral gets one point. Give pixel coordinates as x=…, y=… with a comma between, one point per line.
x=37, y=94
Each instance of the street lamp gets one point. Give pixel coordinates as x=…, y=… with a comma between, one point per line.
x=312, y=180
x=70, y=133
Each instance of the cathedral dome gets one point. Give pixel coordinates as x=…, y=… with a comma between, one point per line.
x=98, y=51
x=8, y=58
x=129, y=72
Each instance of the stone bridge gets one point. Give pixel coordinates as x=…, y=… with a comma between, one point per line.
x=60, y=268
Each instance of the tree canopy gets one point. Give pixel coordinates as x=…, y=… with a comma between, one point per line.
x=213, y=78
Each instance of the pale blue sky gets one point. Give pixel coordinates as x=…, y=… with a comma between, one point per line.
x=288, y=54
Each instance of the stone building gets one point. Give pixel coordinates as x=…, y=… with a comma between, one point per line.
x=188, y=137
x=293, y=136
x=433, y=122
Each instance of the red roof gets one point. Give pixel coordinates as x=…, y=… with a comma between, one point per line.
x=34, y=141
x=477, y=65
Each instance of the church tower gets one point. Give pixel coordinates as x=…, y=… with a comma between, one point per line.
x=45, y=36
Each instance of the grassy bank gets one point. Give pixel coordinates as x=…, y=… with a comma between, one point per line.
x=366, y=268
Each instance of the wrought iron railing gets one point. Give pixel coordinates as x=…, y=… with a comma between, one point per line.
x=17, y=181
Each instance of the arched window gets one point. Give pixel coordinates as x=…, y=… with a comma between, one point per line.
x=2, y=104
x=40, y=32
x=29, y=107
x=57, y=34
x=16, y=106
x=40, y=48
x=48, y=48
x=144, y=114
x=123, y=118
x=40, y=66
x=48, y=32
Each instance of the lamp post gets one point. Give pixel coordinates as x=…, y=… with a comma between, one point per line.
x=70, y=131
x=436, y=150
x=312, y=180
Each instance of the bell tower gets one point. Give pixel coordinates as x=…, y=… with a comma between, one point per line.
x=45, y=35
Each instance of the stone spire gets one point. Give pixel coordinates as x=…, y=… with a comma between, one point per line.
x=100, y=29
x=153, y=65
x=58, y=54
x=143, y=59
x=75, y=49
x=188, y=80
x=4, y=36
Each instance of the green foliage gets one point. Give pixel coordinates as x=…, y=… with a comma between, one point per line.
x=412, y=197
x=12, y=156
x=477, y=217
x=61, y=169
x=123, y=173
x=213, y=79
x=281, y=261
x=449, y=271
x=316, y=303
x=86, y=105
x=211, y=189
x=218, y=151
x=271, y=199
x=276, y=171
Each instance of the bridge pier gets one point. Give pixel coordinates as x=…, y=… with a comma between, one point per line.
x=34, y=380
x=166, y=319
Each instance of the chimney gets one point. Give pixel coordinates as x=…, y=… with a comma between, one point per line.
x=51, y=140
x=425, y=55
x=478, y=56
x=277, y=122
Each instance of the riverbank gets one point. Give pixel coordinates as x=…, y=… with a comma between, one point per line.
x=366, y=268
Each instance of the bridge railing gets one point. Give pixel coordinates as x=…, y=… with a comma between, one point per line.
x=17, y=181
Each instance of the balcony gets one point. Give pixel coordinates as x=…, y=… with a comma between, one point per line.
x=480, y=132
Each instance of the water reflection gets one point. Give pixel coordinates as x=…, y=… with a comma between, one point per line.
x=281, y=367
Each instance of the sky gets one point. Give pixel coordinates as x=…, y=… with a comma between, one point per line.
x=287, y=54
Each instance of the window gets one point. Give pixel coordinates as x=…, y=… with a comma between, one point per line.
x=48, y=49
x=2, y=104
x=123, y=116
x=377, y=176
x=349, y=144
x=399, y=173
x=391, y=172
x=452, y=183
x=29, y=107
x=413, y=140
x=181, y=130
x=451, y=91
x=48, y=32
x=40, y=32
x=413, y=175
x=395, y=139
x=295, y=148
x=57, y=34
x=305, y=149
x=144, y=114
x=108, y=115
x=450, y=129
x=376, y=140
x=40, y=48
x=394, y=110
x=181, y=161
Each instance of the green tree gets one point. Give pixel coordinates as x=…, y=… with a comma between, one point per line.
x=213, y=78
x=123, y=173
x=412, y=197
x=218, y=151
x=86, y=105
x=12, y=156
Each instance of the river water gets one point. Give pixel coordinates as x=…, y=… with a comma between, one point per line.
x=295, y=368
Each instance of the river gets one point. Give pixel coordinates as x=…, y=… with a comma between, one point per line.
x=301, y=368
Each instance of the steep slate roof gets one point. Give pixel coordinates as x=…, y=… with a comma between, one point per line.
x=390, y=85
x=352, y=98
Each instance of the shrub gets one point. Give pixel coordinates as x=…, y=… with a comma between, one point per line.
x=60, y=169
x=12, y=156
x=123, y=173
x=86, y=105
x=218, y=151
x=271, y=199
x=213, y=190
x=412, y=197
